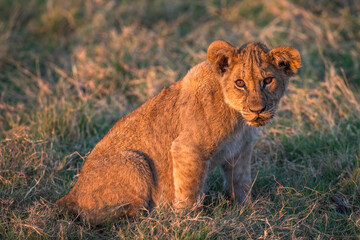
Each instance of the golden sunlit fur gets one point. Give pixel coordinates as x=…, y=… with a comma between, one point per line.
x=163, y=151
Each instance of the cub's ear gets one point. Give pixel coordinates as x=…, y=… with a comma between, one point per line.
x=286, y=58
x=220, y=54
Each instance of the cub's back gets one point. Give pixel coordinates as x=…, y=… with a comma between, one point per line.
x=151, y=128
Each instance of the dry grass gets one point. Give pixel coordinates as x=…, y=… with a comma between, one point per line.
x=70, y=69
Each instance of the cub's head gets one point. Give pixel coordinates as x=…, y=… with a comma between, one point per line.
x=253, y=78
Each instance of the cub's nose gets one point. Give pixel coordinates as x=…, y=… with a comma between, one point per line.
x=257, y=109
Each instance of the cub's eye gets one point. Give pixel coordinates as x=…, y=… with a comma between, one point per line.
x=240, y=83
x=268, y=80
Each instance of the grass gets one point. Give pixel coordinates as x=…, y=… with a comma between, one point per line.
x=70, y=69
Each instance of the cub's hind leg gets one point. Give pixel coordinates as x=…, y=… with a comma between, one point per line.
x=110, y=187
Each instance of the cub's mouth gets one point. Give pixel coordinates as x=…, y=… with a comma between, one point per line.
x=259, y=120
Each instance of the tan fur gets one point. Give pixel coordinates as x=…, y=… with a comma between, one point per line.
x=164, y=150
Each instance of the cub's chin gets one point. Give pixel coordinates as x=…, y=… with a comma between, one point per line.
x=258, y=121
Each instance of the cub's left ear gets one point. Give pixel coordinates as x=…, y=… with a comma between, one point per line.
x=220, y=54
x=286, y=58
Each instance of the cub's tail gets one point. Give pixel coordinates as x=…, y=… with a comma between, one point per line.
x=67, y=203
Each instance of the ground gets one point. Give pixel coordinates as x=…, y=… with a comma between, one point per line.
x=70, y=69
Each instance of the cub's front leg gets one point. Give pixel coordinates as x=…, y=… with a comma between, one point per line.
x=189, y=171
x=237, y=174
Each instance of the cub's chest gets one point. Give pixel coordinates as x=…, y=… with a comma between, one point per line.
x=241, y=139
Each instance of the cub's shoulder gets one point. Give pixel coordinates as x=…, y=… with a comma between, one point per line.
x=199, y=78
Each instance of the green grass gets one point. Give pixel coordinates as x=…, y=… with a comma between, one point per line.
x=70, y=69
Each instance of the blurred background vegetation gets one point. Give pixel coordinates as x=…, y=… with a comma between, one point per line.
x=70, y=69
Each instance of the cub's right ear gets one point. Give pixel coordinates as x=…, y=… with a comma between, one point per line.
x=219, y=54
x=286, y=58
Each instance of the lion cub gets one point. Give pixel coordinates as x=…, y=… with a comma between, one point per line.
x=164, y=150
